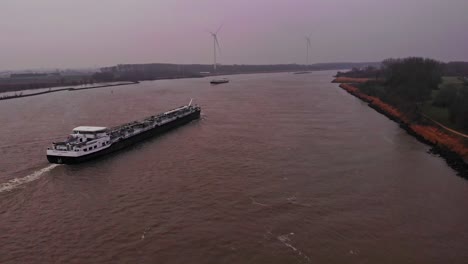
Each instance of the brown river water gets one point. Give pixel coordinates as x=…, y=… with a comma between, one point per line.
x=281, y=168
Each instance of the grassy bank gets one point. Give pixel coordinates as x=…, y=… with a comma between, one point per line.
x=453, y=147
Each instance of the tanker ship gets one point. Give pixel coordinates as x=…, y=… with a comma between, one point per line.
x=90, y=142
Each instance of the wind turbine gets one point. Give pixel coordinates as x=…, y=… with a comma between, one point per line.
x=309, y=45
x=215, y=44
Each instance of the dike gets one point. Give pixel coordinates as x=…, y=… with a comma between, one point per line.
x=70, y=89
x=451, y=147
x=350, y=80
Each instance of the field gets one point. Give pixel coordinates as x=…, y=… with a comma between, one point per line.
x=441, y=114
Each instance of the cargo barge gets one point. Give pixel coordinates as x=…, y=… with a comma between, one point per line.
x=90, y=142
x=219, y=81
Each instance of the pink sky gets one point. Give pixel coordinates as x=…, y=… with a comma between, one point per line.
x=88, y=33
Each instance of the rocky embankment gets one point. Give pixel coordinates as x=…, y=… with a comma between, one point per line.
x=453, y=147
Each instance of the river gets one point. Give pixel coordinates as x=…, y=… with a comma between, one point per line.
x=281, y=168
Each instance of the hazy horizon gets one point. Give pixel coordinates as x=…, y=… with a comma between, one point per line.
x=81, y=34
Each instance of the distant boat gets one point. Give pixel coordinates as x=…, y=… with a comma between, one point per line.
x=219, y=81
x=302, y=72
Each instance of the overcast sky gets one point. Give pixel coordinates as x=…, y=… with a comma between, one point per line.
x=88, y=33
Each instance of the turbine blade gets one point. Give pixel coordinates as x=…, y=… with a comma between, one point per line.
x=216, y=32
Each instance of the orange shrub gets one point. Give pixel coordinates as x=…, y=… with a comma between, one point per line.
x=388, y=109
x=350, y=80
x=430, y=133
x=436, y=136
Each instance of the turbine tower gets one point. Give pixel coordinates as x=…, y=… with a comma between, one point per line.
x=309, y=45
x=215, y=44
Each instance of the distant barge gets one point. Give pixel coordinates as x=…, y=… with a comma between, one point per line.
x=219, y=81
x=89, y=142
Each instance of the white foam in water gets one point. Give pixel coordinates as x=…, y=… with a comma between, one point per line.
x=17, y=182
x=287, y=242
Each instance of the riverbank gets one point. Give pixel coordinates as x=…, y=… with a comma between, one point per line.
x=8, y=97
x=453, y=147
x=350, y=80
x=20, y=94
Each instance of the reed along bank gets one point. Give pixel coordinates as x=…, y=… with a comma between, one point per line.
x=452, y=146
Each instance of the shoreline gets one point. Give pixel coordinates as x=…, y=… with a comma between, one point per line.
x=120, y=84
x=453, y=149
x=64, y=89
x=136, y=82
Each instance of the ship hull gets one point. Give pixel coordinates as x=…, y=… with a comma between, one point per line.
x=126, y=142
x=219, y=81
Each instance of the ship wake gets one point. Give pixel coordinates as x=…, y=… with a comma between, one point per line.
x=18, y=182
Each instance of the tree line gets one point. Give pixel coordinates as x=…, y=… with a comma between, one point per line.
x=410, y=82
